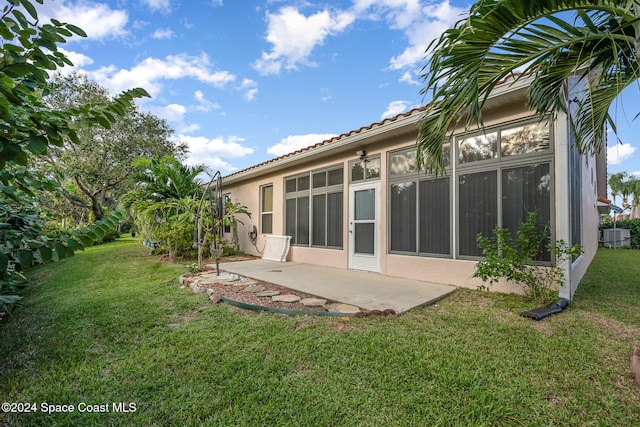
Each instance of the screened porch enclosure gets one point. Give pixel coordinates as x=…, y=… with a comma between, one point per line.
x=497, y=178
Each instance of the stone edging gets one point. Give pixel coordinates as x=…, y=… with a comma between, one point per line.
x=332, y=310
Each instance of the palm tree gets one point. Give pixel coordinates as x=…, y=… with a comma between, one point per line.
x=615, y=183
x=626, y=189
x=635, y=192
x=499, y=38
x=165, y=201
x=166, y=178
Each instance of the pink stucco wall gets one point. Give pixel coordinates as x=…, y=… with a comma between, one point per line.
x=246, y=190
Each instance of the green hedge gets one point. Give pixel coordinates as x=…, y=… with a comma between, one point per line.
x=630, y=224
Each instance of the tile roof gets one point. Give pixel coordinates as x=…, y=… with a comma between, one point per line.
x=331, y=140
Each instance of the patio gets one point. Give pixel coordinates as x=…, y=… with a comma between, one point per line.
x=369, y=291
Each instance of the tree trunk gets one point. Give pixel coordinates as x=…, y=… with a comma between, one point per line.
x=171, y=251
x=235, y=241
x=96, y=208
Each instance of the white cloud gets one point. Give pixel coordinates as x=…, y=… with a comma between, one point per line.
x=216, y=164
x=172, y=112
x=204, y=105
x=151, y=71
x=407, y=77
x=211, y=152
x=199, y=96
x=635, y=174
x=138, y=24
x=161, y=5
x=394, y=108
x=400, y=13
x=193, y=127
x=296, y=142
x=250, y=95
x=187, y=24
x=618, y=153
x=79, y=60
x=427, y=26
x=98, y=20
x=163, y=33
x=202, y=147
x=421, y=23
x=293, y=37
x=250, y=89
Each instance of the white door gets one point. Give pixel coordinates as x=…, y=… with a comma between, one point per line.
x=364, y=226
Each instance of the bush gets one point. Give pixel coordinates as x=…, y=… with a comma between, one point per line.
x=518, y=260
x=110, y=236
x=229, y=249
x=127, y=227
x=630, y=224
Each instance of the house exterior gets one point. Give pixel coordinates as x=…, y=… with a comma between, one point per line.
x=357, y=201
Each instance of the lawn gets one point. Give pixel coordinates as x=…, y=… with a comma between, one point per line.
x=110, y=329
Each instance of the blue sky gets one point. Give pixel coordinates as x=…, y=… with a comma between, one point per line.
x=244, y=81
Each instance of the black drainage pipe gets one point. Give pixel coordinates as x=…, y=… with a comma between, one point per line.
x=546, y=311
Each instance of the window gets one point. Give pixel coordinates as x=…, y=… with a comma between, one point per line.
x=501, y=186
x=364, y=170
x=403, y=163
x=526, y=189
x=266, y=211
x=479, y=147
x=478, y=209
x=498, y=176
x=531, y=138
x=403, y=217
x=225, y=199
x=575, y=185
x=435, y=210
x=419, y=208
x=314, y=208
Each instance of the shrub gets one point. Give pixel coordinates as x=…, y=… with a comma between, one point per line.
x=110, y=236
x=518, y=260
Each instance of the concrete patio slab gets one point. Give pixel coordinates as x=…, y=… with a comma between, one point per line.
x=370, y=291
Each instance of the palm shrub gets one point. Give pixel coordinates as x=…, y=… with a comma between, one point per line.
x=164, y=203
x=520, y=259
x=230, y=219
x=231, y=212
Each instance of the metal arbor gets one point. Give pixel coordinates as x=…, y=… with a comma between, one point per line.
x=216, y=209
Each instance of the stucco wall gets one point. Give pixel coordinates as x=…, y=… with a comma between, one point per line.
x=248, y=194
x=589, y=229
x=246, y=190
x=591, y=182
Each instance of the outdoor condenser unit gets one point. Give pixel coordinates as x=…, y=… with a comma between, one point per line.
x=617, y=237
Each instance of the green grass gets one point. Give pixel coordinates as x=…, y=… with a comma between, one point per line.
x=112, y=325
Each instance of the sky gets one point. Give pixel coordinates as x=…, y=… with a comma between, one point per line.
x=244, y=81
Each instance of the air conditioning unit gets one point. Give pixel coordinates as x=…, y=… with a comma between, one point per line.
x=617, y=237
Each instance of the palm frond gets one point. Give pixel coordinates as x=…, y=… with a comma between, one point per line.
x=499, y=38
